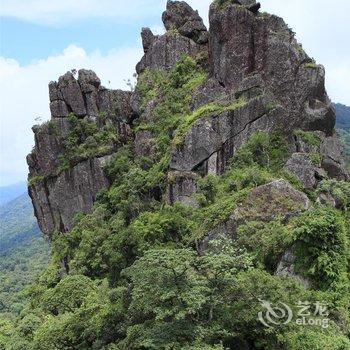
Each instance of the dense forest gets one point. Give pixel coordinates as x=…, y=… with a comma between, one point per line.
x=23, y=255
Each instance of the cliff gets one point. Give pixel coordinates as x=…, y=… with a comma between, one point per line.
x=259, y=77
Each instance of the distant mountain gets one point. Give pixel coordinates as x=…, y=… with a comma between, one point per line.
x=343, y=116
x=343, y=126
x=8, y=193
x=23, y=252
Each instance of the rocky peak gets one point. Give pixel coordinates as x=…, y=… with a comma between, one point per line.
x=88, y=124
x=186, y=35
x=179, y=16
x=147, y=38
x=253, y=76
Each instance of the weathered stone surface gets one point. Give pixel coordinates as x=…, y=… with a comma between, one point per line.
x=72, y=94
x=144, y=143
x=301, y=166
x=59, y=109
x=208, y=92
x=166, y=50
x=182, y=187
x=88, y=80
x=181, y=17
x=242, y=43
x=147, y=38
x=270, y=201
x=59, y=194
x=49, y=141
x=253, y=58
x=56, y=200
x=115, y=105
x=222, y=132
x=286, y=267
x=54, y=92
x=333, y=160
x=247, y=3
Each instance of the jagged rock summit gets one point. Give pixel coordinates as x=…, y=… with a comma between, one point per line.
x=258, y=78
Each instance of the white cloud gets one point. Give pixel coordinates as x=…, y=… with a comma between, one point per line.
x=24, y=97
x=55, y=12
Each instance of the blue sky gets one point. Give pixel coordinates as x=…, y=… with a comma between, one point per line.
x=41, y=40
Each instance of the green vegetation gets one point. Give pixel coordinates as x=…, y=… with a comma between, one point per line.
x=343, y=127
x=309, y=137
x=129, y=276
x=322, y=247
x=35, y=180
x=23, y=256
x=87, y=140
x=311, y=65
x=340, y=191
x=202, y=112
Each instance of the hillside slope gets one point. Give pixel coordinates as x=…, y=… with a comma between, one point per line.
x=9, y=193
x=23, y=252
x=343, y=126
x=200, y=211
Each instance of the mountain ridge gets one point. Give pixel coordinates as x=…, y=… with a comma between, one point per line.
x=180, y=211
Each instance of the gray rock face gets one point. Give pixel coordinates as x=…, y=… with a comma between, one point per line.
x=182, y=188
x=223, y=133
x=57, y=194
x=166, y=50
x=333, y=160
x=275, y=199
x=186, y=34
x=86, y=97
x=257, y=72
x=49, y=141
x=56, y=200
x=301, y=166
x=242, y=43
x=143, y=143
x=147, y=38
x=72, y=95
x=181, y=17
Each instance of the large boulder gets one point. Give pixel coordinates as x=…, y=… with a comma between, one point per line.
x=277, y=199
x=333, y=160
x=181, y=17
x=301, y=166
x=273, y=200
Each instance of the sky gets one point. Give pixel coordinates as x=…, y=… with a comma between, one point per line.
x=41, y=40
